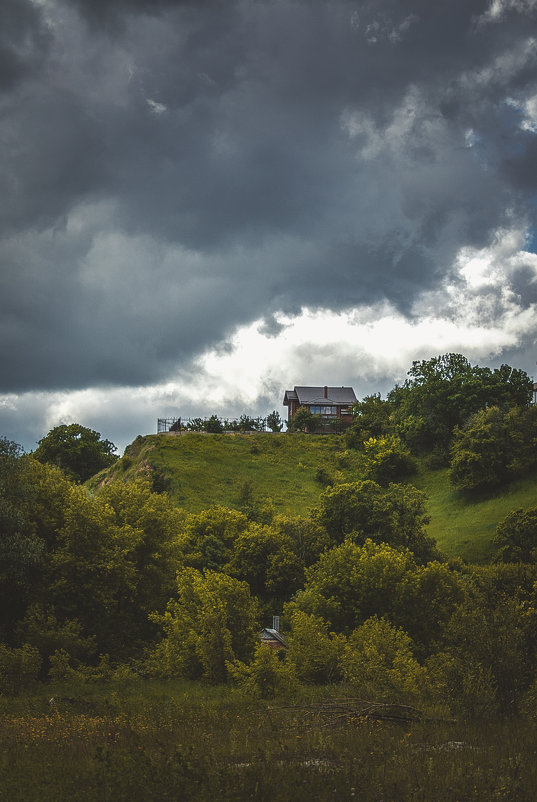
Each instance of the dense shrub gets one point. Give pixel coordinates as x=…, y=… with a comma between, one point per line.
x=378, y=660
x=266, y=675
x=19, y=668
x=388, y=459
x=314, y=651
x=494, y=447
x=516, y=537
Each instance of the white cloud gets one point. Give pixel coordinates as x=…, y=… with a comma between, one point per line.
x=370, y=347
x=155, y=107
x=498, y=8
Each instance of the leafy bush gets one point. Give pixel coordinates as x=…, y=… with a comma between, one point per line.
x=213, y=425
x=314, y=652
x=371, y=419
x=494, y=446
x=378, y=660
x=78, y=451
x=266, y=675
x=388, y=459
x=395, y=515
x=351, y=583
x=19, y=668
x=444, y=392
x=213, y=622
x=516, y=537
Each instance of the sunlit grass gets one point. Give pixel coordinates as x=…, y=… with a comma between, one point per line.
x=212, y=469
x=465, y=526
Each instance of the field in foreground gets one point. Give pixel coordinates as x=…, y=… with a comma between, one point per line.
x=179, y=741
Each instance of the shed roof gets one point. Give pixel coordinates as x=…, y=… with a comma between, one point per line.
x=271, y=634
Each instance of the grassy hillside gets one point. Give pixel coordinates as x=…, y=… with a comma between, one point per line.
x=212, y=469
x=202, y=470
x=465, y=527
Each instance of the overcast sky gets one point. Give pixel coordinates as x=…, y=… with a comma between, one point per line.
x=205, y=203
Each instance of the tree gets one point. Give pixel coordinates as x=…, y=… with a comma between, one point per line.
x=395, y=515
x=351, y=583
x=371, y=418
x=78, y=451
x=491, y=649
x=516, y=537
x=92, y=576
x=213, y=425
x=207, y=537
x=379, y=660
x=495, y=445
x=388, y=459
x=21, y=550
x=304, y=421
x=274, y=421
x=155, y=556
x=314, y=651
x=266, y=559
x=309, y=539
x=212, y=624
x=443, y=392
x=266, y=675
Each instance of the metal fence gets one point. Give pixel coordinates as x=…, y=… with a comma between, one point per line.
x=243, y=424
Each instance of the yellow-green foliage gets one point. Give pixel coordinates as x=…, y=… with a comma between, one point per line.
x=18, y=668
x=379, y=659
x=213, y=623
x=388, y=459
x=314, y=651
x=268, y=674
x=351, y=583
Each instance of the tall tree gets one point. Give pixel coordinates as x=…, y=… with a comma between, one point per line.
x=213, y=623
x=361, y=510
x=20, y=550
x=78, y=451
x=443, y=392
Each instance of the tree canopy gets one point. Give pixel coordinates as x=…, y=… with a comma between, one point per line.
x=79, y=452
x=443, y=392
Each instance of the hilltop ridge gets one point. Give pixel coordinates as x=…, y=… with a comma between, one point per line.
x=289, y=471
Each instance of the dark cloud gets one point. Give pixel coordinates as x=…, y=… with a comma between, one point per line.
x=23, y=42
x=174, y=169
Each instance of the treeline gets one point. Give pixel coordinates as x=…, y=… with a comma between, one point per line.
x=216, y=425
x=448, y=412
x=124, y=584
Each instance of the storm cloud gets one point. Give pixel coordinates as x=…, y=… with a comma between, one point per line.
x=173, y=171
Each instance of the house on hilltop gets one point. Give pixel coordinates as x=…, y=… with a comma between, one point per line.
x=328, y=402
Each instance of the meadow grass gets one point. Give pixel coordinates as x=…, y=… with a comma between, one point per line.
x=204, y=470
x=212, y=469
x=184, y=741
x=465, y=526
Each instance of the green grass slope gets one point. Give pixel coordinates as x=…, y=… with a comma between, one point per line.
x=465, y=527
x=202, y=470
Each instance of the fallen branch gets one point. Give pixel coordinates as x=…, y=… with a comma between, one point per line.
x=352, y=708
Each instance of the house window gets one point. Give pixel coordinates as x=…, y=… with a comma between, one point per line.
x=321, y=410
